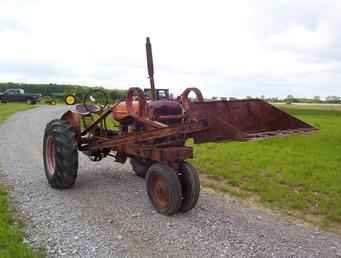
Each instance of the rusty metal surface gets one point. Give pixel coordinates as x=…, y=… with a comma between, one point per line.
x=166, y=111
x=142, y=103
x=148, y=112
x=159, y=191
x=185, y=97
x=170, y=154
x=150, y=66
x=147, y=135
x=244, y=120
x=74, y=120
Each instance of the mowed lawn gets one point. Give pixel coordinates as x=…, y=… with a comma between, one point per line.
x=11, y=236
x=300, y=173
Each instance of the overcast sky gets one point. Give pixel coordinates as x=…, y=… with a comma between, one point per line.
x=225, y=48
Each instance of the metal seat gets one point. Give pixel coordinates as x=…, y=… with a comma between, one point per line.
x=87, y=109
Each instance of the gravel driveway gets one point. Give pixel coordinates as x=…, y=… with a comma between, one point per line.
x=108, y=214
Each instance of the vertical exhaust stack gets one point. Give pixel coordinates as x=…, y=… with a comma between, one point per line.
x=150, y=68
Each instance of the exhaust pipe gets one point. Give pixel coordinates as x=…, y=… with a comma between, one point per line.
x=150, y=66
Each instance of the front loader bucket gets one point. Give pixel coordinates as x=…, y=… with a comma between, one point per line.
x=243, y=120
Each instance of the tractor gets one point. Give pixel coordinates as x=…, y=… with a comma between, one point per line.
x=152, y=133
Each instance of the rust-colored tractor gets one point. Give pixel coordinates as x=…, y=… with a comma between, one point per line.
x=152, y=134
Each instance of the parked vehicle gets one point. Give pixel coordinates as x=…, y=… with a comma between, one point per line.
x=19, y=95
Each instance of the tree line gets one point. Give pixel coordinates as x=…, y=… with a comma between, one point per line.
x=316, y=100
x=59, y=91
x=291, y=99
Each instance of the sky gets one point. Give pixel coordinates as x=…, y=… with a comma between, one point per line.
x=225, y=48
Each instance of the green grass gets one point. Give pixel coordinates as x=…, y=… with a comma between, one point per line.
x=300, y=173
x=8, y=109
x=111, y=123
x=11, y=235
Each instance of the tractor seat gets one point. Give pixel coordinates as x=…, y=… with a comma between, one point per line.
x=86, y=109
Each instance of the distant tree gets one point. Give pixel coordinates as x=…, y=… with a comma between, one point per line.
x=290, y=99
x=274, y=100
x=333, y=99
x=317, y=99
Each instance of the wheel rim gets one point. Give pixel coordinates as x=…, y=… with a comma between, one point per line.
x=159, y=192
x=51, y=155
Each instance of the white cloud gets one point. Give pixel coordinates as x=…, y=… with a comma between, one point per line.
x=226, y=48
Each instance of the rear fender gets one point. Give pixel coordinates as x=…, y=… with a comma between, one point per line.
x=74, y=120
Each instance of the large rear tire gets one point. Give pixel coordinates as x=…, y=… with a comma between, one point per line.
x=164, y=189
x=140, y=167
x=190, y=184
x=60, y=154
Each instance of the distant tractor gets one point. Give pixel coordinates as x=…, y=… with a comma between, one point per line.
x=50, y=100
x=152, y=134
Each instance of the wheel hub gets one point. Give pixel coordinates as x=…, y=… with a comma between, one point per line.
x=159, y=191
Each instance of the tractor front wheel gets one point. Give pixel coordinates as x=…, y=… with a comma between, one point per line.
x=60, y=154
x=140, y=166
x=164, y=189
x=190, y=184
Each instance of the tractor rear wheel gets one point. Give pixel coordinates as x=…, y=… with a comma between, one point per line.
x=190, y=184
x=164, y=189
x=60, y=154
x=140, y=166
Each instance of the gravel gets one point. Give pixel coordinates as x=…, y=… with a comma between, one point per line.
x=108, y=214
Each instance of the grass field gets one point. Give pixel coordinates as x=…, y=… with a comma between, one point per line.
x=301, y=173
x=8, y=109
x=11, y=235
